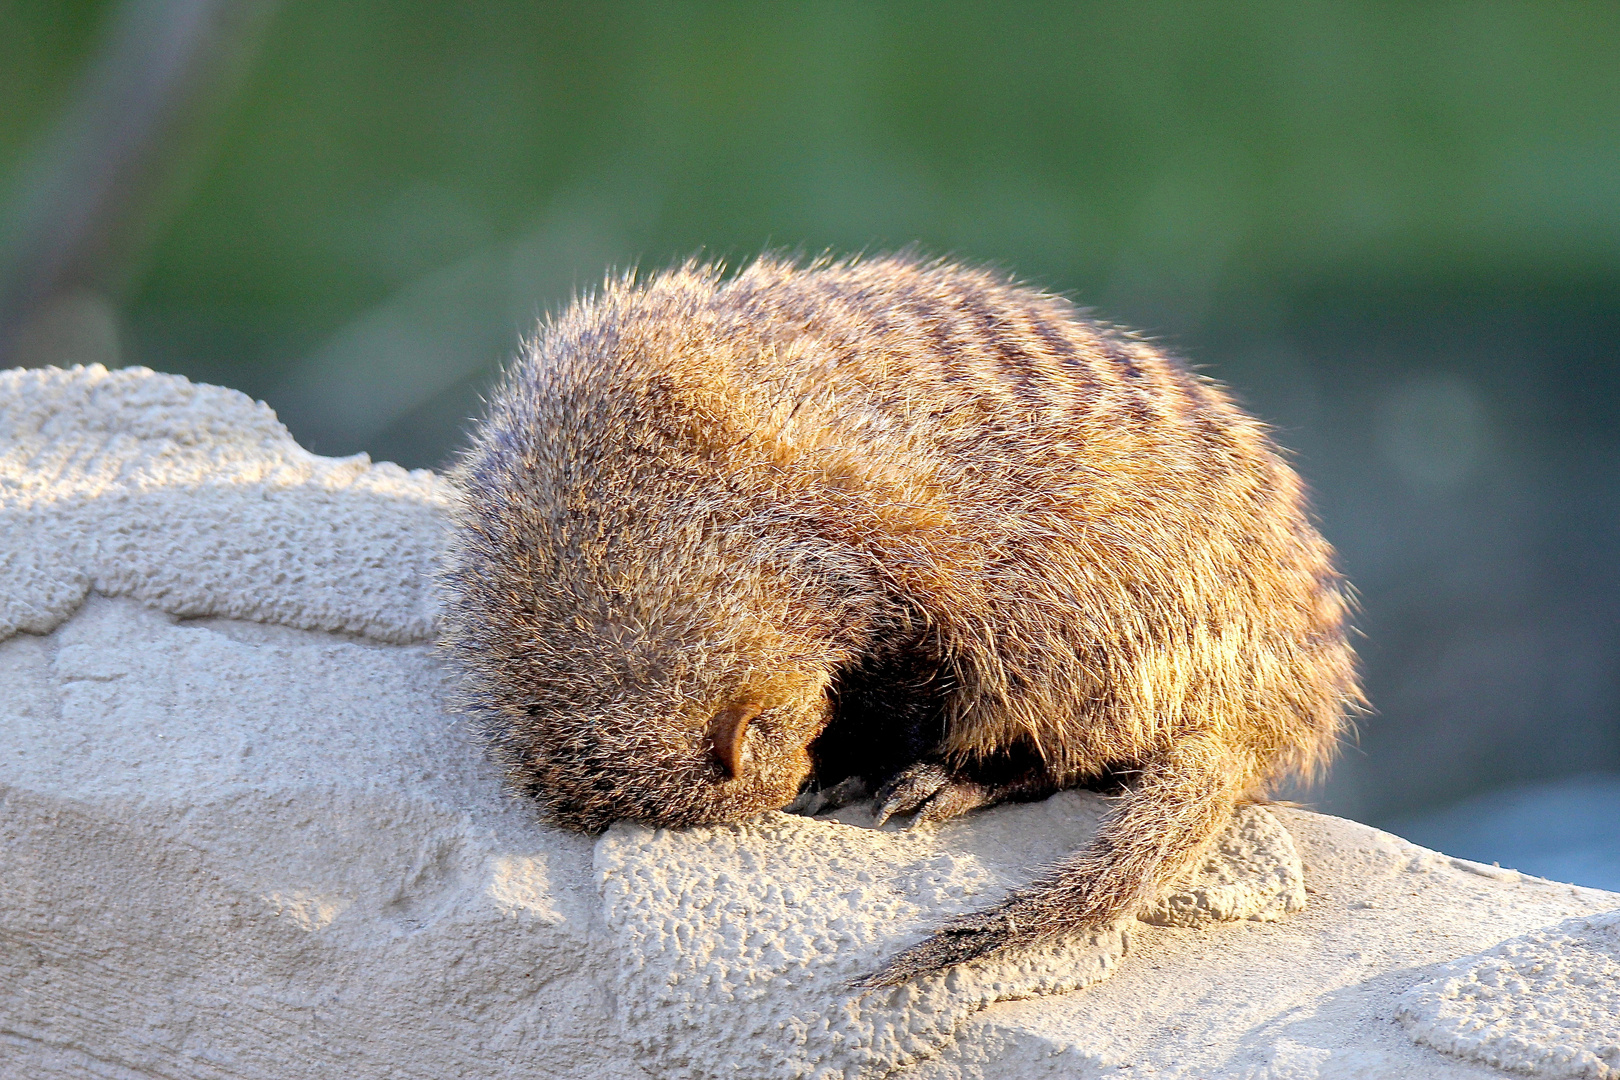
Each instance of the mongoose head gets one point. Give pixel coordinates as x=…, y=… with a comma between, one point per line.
x=674, y=724
x=684, y=704
x=649, y=589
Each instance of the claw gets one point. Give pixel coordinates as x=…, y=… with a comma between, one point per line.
x=931, y=793
x=848, y=790
x=955, y=797
x=909, y=790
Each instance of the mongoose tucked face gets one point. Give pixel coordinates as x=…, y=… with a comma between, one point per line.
x=720, y=734
x=902, y=523
x=671, y=685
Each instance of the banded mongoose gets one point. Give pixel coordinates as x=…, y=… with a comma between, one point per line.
x=721, y=539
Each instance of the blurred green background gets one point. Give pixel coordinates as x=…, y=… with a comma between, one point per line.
x=1393, y=229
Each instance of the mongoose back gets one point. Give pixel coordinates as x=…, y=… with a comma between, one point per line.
x=721, y=540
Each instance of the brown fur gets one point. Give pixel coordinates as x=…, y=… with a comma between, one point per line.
x=933, y=528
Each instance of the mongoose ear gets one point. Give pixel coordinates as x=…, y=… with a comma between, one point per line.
x=726, y=733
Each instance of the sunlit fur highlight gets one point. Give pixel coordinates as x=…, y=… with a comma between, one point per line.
x=693, y=491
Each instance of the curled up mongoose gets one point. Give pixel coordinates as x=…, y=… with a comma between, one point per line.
x=725, y=539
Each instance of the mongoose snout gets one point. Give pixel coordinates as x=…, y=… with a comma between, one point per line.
x=889, y=525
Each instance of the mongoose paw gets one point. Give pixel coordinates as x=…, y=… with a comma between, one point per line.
x=957, y=942
x=851, y=789
x=930, y=792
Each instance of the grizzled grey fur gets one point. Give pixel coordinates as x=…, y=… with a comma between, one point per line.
x=722, y=540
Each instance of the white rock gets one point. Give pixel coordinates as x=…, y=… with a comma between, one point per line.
x=242, y=837
x=195, y=499
x=784, y=913
x=1543, y=1004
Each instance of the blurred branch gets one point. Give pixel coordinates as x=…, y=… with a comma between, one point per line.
x=91, y=197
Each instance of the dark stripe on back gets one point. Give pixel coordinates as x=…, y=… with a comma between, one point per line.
x=1132, y=390
x=1063, y=348
x=929, y=311
x=1015, y=365
x=1190, y=383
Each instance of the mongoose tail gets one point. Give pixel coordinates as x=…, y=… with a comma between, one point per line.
x=1176, y=807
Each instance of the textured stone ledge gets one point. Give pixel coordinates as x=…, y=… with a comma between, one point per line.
x=241, y=837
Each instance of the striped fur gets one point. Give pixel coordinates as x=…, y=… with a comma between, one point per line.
x=942, y=530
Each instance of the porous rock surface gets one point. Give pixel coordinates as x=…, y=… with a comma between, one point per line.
x=123, y=482
x=1532, y=1004
x=785, y=913
x=241, y=836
